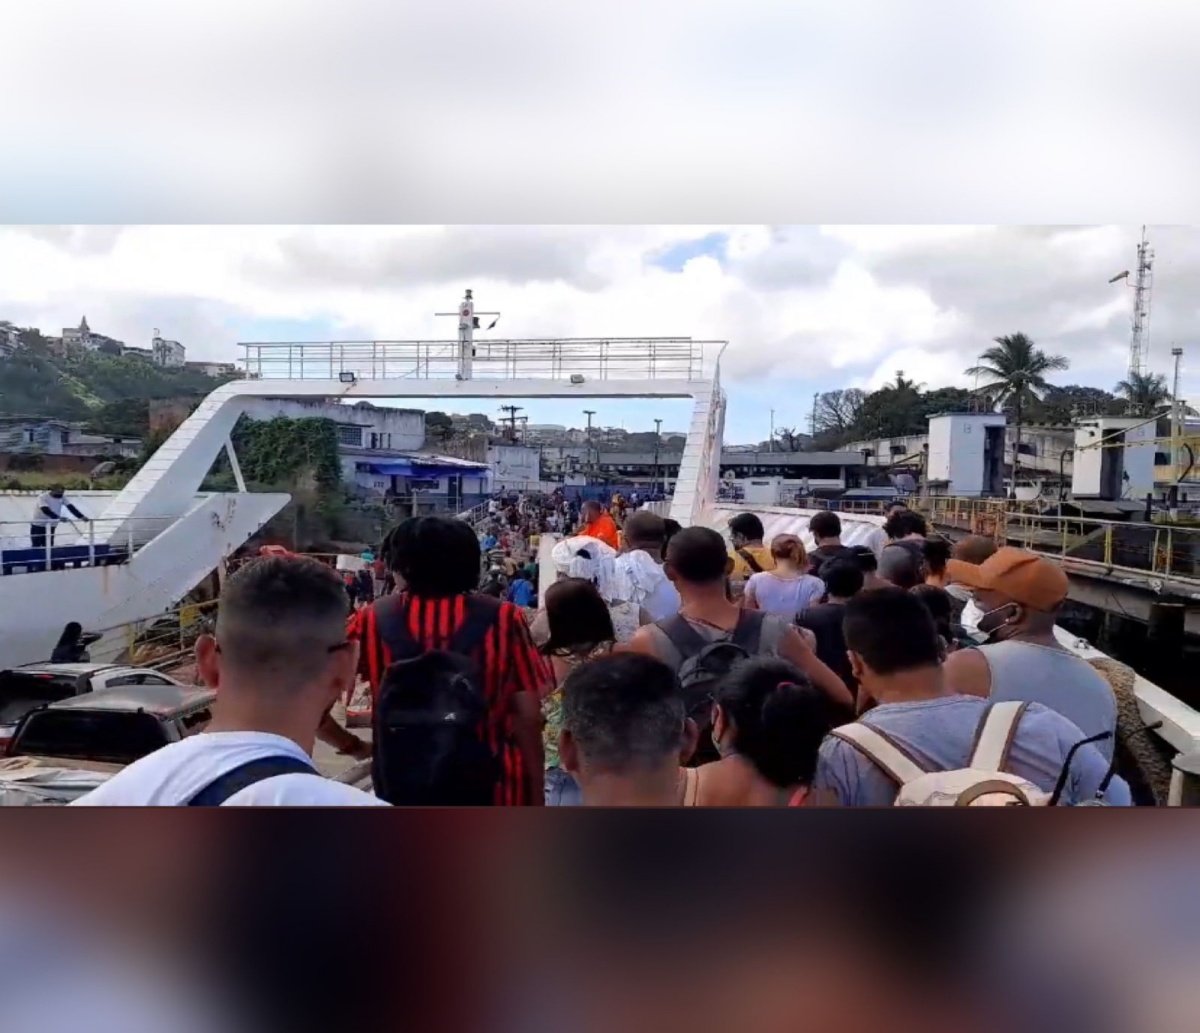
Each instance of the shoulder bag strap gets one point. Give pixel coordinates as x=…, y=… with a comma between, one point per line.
x=245, y=775
x=391, y=628
x=686, y=639
x=751, y=562
x=482, y=612
x=884, y=752
x=748, y=631
x=994, y=738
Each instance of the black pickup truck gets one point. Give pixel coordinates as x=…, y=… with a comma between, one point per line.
x=62, y=750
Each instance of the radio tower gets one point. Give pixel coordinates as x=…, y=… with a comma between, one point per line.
x=1139, y=342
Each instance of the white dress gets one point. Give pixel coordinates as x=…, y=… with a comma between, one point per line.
x=625, y=619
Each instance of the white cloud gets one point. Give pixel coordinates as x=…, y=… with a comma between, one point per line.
x=804, y=308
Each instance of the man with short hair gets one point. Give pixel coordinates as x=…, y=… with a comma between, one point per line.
x=895, y=655
x=866, y=561
x=640, y=566
x=596, y=523
x=1021, y=594
x=49, y=514
x=826, y=529
x=749, y=555
x=278, y=661
x=901, y=567
x=843, y=580
x=878, y=538
x=625, y=732
x=696, y=564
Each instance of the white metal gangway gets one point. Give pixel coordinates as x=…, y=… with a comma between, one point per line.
x=593, y=358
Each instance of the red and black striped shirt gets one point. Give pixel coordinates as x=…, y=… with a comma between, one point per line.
x=508, y=663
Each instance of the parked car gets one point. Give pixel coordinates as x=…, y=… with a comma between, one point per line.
x=64, y=749
x=24, y=688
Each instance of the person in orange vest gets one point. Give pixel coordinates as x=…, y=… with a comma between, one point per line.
x=598, y=524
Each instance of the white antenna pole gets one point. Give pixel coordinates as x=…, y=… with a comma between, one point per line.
x=466, y=336
x=468, y=320
x=1139, y=341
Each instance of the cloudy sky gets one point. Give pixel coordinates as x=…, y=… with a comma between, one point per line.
x=805, y=308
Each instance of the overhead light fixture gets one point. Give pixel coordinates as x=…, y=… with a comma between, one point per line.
x=347, y=378
x=576, y=378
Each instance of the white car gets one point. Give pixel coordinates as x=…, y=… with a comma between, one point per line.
x=24, y=688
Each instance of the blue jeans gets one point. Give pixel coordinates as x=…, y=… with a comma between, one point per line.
x=561, y=789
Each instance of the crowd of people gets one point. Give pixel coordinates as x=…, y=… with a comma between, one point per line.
x=664, y=666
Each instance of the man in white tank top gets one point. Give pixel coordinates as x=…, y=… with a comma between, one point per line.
x=1020, y=594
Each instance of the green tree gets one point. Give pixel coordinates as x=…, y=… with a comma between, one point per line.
x=1068, y=403
x=894, y=410
x=1145, y=393
x=439, y=427
x=1014, y=373
x=837, y=414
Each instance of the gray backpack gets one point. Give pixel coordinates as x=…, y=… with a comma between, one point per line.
x=705, y=663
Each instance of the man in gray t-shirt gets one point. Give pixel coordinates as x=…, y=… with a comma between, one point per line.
x=894, y=654
x=1020, y=595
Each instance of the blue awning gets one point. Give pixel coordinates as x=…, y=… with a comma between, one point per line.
x=410, y=468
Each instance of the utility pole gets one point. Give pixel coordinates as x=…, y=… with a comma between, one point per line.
x=812, y=427
x=511, y=420
x=771, y=439
x=589, y=413
x=657, y=443
x=1176, y=420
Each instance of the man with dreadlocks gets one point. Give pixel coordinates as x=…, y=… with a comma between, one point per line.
x=436, y=561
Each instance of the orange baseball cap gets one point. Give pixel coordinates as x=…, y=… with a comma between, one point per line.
x=1023, y=576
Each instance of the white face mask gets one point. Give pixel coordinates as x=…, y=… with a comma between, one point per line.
x=993, y=628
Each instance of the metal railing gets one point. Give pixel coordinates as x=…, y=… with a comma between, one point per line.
x=1157, y=549
x=612, y=358
x=979, y=516
x=103, y=541
x=161, y=642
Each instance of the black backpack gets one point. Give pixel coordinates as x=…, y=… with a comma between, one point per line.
x=817, y=562
x=430, y=715
x=704, y=664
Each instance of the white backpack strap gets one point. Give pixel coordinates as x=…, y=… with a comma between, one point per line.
x=691, y=786
x=994, y=738
x=884, y=752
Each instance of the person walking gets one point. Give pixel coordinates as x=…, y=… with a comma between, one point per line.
x=786, y=590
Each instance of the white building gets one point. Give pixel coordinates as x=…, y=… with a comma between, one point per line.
x=214, y=369
x=365, y=432
x=81, y=444
x=10, y=337
x=82, y=336
x=1045, y=450
x=1114, y=458
x=137, y=353
x=966, y=454
x=514, y=466
x=33, y=434
x=544, y=432
x=167, y=353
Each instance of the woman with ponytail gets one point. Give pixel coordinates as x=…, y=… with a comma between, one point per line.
x=768, y=723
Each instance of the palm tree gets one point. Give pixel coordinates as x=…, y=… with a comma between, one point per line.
x=1146, y=393
x=1015, y=374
